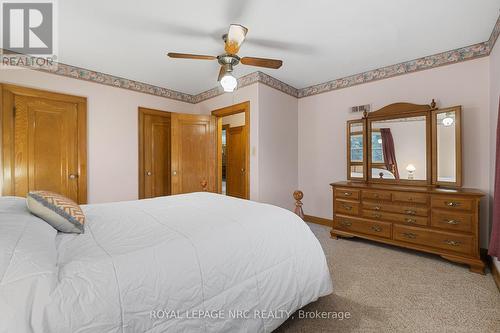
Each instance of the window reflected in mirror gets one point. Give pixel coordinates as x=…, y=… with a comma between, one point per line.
x=399, y=149
x=377, y=152
x=356, y=149
x=446, y=147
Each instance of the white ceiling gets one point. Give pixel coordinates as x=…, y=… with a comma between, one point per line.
x=318, y=40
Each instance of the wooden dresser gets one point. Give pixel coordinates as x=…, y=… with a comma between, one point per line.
x=425, y=218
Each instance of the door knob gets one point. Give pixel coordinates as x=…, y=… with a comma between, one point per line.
x=73, y=176
x=242, y=170
x=174, y=173
x=148, y=173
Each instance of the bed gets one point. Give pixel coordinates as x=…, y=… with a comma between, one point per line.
x=185, y=263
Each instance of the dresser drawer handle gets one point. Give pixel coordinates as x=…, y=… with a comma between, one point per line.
x=410, y=235
x=452, y=222
x=376, y=195
x=376, y=228
x=346, y=207
x=452, y=242
x=410, y=212
x=452, y=203
x=376, y=207
x=408, y=220
x=377, y=216
x=347, y=194
x=345, y=223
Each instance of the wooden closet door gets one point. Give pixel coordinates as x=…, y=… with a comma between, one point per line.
x=45, y=146
x=193, y=153
x=236, y=162
x=156, y=155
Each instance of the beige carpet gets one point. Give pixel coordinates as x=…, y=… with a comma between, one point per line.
x=388, y=289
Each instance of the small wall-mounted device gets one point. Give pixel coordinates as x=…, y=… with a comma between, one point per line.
x=361, y=108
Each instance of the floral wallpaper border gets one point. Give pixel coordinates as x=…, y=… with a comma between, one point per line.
x=494, y=34
x=102, y=78
x=246, y=81
x=445, y=58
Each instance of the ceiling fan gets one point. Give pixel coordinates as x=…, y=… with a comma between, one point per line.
x=232, y=43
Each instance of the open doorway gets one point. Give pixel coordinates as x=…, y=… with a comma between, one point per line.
x=233, y=150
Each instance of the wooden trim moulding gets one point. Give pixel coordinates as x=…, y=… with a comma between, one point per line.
x=494, y=272
x=496, y=275
x=219, y=114
x=318, y=220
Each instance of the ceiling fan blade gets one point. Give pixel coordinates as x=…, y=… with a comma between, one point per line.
x=190, y=56
x=235, y=38
x=261, y=62
x=222, y=72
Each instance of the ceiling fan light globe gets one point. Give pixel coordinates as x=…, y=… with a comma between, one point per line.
x=229, y=83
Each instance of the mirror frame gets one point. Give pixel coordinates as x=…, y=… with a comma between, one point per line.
x=458, y=147
x=364, y=163
x=406, y=110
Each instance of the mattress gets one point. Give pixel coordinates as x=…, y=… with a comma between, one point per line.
x=185, y=263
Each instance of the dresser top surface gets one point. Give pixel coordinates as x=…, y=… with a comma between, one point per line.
x=406, y=188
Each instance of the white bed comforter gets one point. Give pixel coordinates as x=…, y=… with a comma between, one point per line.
x=189, y=263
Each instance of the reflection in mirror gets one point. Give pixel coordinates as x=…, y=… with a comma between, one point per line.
x=446, y=147
x=399, y=149
x=356, y=171
x=356, y=152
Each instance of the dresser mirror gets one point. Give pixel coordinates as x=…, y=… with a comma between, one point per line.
x=407, y=144
x=399, y=149
x=447, y=147
x=356, y=150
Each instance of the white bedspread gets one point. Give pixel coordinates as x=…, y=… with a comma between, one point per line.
x=189, y=263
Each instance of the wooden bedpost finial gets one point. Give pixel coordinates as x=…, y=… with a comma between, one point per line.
x=204, y=184
x=298, y=195
x=433, y=104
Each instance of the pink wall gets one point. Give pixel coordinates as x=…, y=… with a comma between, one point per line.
x=494, y=96
x=294, y=143
x=278, y=142
x=112, y=129
x=322, y=121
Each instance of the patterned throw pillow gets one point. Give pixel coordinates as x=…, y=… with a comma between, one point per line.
x=60, y=212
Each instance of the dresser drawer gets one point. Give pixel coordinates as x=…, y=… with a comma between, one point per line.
x=410, y=210
x=376, y=195
x=435, y=239
x=346, y=207
x=452, y=203
x=410, y=197
x=456, y=221
x=384, y=216
x=379, y=229
x=346, y=193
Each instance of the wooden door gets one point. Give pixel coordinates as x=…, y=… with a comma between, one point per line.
x=44, y=142
x=193, y=153
x=236, y=162
x=155, y=150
